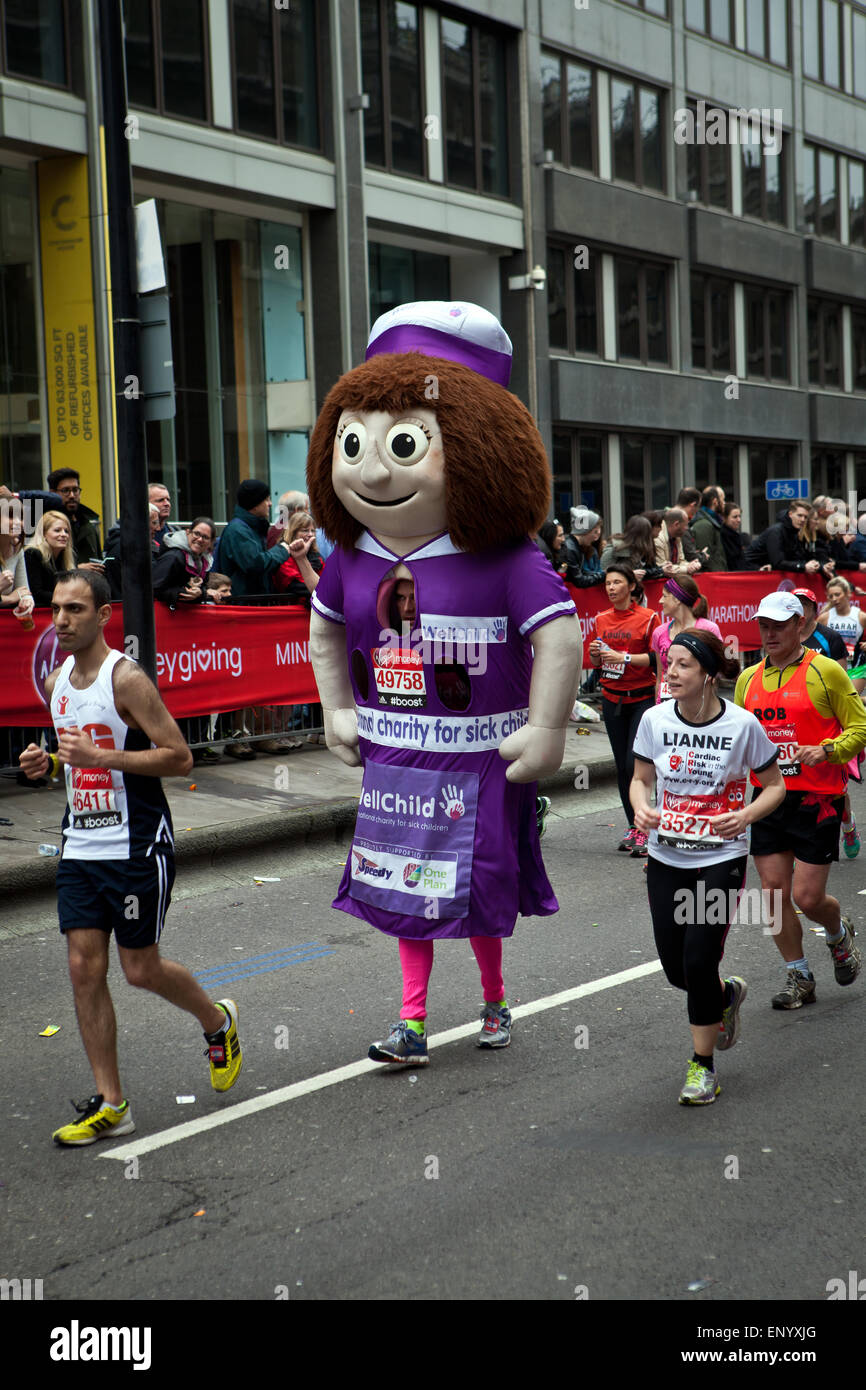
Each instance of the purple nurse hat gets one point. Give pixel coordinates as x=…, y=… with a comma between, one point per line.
x=449, y=328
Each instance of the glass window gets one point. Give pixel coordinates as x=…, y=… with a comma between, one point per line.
x=756, y=36
x=651, y=144
x=35, y=38
x=752, y=183
x=563, y=484
x=298, y=74
x=858, y=335
x=459, y=103
x=628, y=309
x=400, y=275
x=557, y=299
x=755, y=345
x=580, y=115
x=810, y=188
x=778, y=13
x=720, y=20
x=476, y=110
x=831, y=74
x=832, y=346
x=494, y=117
x=551, y=104
x=656, y=313
x=699, y=327
x=622, y=108
x=774, y=189
x=695, y=14
x=811, y=39
x=254, y=69
x=824, y=343
x=660, y=474
x=856, y=208
x=778, y=335
x=184, y=70
x=858, y=34
x=637, y=152
x=276, y=71
x=586, y=307
x=828, y=222
x=371, y=68
x=633, y=492
x=140, y=71
x=21, y=361
x=720, y=318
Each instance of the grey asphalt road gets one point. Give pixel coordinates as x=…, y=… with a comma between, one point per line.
x=559, y=1169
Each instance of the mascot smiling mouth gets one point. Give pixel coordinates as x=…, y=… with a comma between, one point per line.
x=396, y=503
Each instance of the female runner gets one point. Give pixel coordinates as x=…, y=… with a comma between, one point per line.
x=697, y=751
x=685, y=608
x=621, y=649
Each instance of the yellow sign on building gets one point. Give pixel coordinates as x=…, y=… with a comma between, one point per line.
x=67, y=310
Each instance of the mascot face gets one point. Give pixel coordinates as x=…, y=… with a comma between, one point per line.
x=389, y=471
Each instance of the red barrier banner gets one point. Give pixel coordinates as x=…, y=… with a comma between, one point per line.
x=208, y=659
x=733, y=601
x=215, y=658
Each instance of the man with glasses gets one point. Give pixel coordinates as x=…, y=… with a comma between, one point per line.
x=83, y=522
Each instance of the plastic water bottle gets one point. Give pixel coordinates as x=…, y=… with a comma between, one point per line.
x=49, y=851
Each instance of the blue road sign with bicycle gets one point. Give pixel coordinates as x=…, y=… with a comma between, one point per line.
x=786, y=489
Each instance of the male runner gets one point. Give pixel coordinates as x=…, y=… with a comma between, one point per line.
x=810, y=709
x=116, y=739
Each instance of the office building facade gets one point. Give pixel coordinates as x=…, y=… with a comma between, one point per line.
x=687, y=174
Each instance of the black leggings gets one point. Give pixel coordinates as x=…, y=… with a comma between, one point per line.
x=621, y=722
x=690, y=924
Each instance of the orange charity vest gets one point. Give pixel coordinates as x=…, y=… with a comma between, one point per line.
x=789, y=720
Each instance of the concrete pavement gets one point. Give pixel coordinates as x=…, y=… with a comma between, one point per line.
x=235, y=805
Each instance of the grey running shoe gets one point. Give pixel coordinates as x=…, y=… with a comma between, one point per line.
x=627, y=841
x=799, y=990
x=542, y=806
x=846, y=956
x=729, y=1028
x=495, y=1026
x=701, y=1086
x=402, y=1047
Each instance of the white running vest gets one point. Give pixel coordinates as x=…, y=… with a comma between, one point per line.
x=110, y=815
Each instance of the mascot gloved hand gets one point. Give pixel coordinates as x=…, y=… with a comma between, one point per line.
x=430, y=476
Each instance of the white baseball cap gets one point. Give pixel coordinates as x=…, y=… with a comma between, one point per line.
x=779, y=607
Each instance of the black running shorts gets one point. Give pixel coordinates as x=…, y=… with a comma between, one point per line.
x=127, y=896
x=806, y=825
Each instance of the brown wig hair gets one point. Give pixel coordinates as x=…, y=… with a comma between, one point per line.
x=497, y=478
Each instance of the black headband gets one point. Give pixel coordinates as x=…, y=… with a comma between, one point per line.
x=699, y=650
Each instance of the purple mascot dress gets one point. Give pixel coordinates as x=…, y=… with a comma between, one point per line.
x=444, y=845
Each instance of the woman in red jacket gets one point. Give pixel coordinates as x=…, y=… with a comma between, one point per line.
x=621, y=648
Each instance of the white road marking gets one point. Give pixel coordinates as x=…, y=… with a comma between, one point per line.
x=333, y=1078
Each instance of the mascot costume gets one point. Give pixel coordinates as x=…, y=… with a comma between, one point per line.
x=445, y=648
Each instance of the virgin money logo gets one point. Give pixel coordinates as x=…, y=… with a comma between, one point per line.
x=47, y=656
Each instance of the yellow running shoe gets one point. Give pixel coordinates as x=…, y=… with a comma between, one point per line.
x=98, y=1121
x=224, y=1049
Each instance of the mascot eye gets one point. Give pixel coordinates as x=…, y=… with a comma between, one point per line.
x=353, y=443
x=407, y=443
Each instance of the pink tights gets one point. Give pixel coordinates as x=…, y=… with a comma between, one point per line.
x=416, y=958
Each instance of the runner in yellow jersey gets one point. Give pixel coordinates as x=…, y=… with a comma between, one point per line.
x=811, y=711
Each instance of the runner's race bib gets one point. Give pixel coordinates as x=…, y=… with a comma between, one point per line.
x=399, y=675
x=665, y=691
x=92, y=799
x=684, y=822
x=786, y=741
